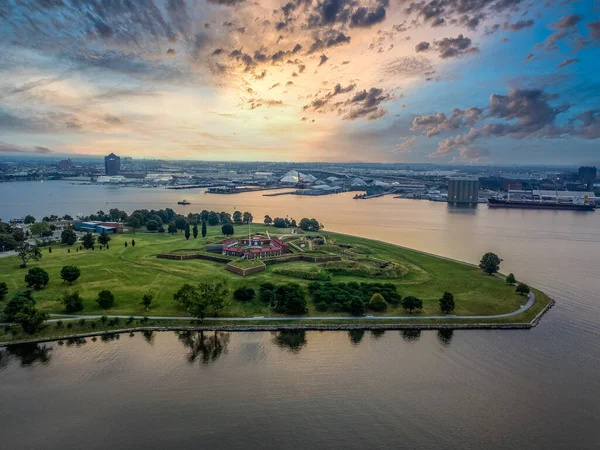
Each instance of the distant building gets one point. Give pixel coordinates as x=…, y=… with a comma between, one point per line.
x=463, y=190
x=112, y=164
x=250, y=248
x=98, y=227
x=65, y=164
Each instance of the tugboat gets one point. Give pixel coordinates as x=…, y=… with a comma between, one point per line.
x=183, y=202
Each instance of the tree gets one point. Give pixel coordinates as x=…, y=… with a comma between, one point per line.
x=268, y=220
x=88, y=240
x=237, y=217
x=244, y=294
x=510, y=279
x=215, y=294
x=213, y=218
x=152, y=225
x=41, y=228
x=15, y=304
x=172, y=228
x=227, y=229
x=278, y=222
x=203, y=229
x=248, y=217
x=309, y=224
x=68, y=236
x=18, y=234
x=133, y=242
x=29, y=219
x=377, y=302
x=180, y=223
x=30, y=318
x=266, y=292
x=72, y=301
x=411, y=303
x=37, y=278
x=3, y=290
x=290, y=298
x=26, y=252
x=134, y=223
x=104, y=238
x=147, y=299
x=356, y=306
x=105, y=299
x=490, y=263
x=189, y=297
x=523, y=289
x=195, y=231
x=447, y=303
x=70, y=273
x=125, y=244
x=187, y=231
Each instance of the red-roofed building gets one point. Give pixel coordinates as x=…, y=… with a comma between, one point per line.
x=254, y=247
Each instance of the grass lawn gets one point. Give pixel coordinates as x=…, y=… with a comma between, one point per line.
x=130, y=271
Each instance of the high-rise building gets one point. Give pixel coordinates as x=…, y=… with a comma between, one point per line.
x=65, y=164
x=463, y=190
x=112, y=164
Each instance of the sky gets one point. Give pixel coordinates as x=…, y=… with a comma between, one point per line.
x=442, y=81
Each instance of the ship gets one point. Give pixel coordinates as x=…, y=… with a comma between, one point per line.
x=533, y=204
x=183, y=202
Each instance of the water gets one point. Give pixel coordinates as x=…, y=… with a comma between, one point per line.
x=475, y=389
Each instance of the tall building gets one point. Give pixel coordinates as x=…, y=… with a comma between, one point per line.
x=65, y=164
x=112, y=164
x=463, y=190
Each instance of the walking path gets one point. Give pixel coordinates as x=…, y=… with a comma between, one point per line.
x=525, y=307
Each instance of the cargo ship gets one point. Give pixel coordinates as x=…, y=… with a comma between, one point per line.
x=533, y=204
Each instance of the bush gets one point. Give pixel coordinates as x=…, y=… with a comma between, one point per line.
x=69, y=325
x=3, y=290
x=318, y=275
x=356, y=307
x=322, y=306
x=244, y=294
x=378, y=303
x=59, y=324
x=37, y=278
x=266, y=292
x=103, y=319
x=130, y=320
x=82, y=322
x=411, y=303
x=105, y=299
x=72, y=302
x=523, y=289
x=510, y=279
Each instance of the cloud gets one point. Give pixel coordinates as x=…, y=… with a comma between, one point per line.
x=409, y=66
x=449, y=47
x=226, y=2
x=259, y=102
x=319, y=103
x=330, y=39
x=594, y=29
x=566, y=22
x=322, y=60
x=524, y=113
x=365, y=17
x=405, y=144
x=519, y=25
x=586, y=124
x=366, y=104
x=13, y=148
x=171, y=52
x=566, y=62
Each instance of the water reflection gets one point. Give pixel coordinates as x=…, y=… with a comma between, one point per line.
x=292, y=340
x=356, y=336
x=377, y=333
x=148, y=336
x=27, y=354
x=411, y=335
x=445, y=336
x=205, y=347
x=464, y=210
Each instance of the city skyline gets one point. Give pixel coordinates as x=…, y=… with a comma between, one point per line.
x=488, y=82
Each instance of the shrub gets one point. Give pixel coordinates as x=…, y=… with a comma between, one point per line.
x=103, y=319
x=69, y=325
x=130, y=319
x=82, y=322
x=411, y=303
x=510, y=279
x=244, y=294
x=59, y=324
x=3, y=290
x=378, y=303
x=72, y=302
x=523, y=289
x=356, y=306
x=105, y=299
x=322, y=306
x=266, y=292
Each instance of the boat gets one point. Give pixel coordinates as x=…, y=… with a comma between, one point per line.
x=533, y=204
x=183, y=202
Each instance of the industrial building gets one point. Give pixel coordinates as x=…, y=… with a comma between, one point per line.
x=98, y=227
x=112, y=165
x=463, y=190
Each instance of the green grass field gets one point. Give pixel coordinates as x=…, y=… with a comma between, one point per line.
x=130, y=271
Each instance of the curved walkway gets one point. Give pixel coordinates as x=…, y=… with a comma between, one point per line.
x=525, y=307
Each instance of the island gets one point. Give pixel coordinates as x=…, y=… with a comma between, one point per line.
x=256, y=277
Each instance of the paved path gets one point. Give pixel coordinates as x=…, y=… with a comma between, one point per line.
x=523, y=308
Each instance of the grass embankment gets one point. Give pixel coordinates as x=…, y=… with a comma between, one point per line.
x=130, y=271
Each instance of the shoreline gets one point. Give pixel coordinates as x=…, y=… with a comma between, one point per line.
x=299, y=327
